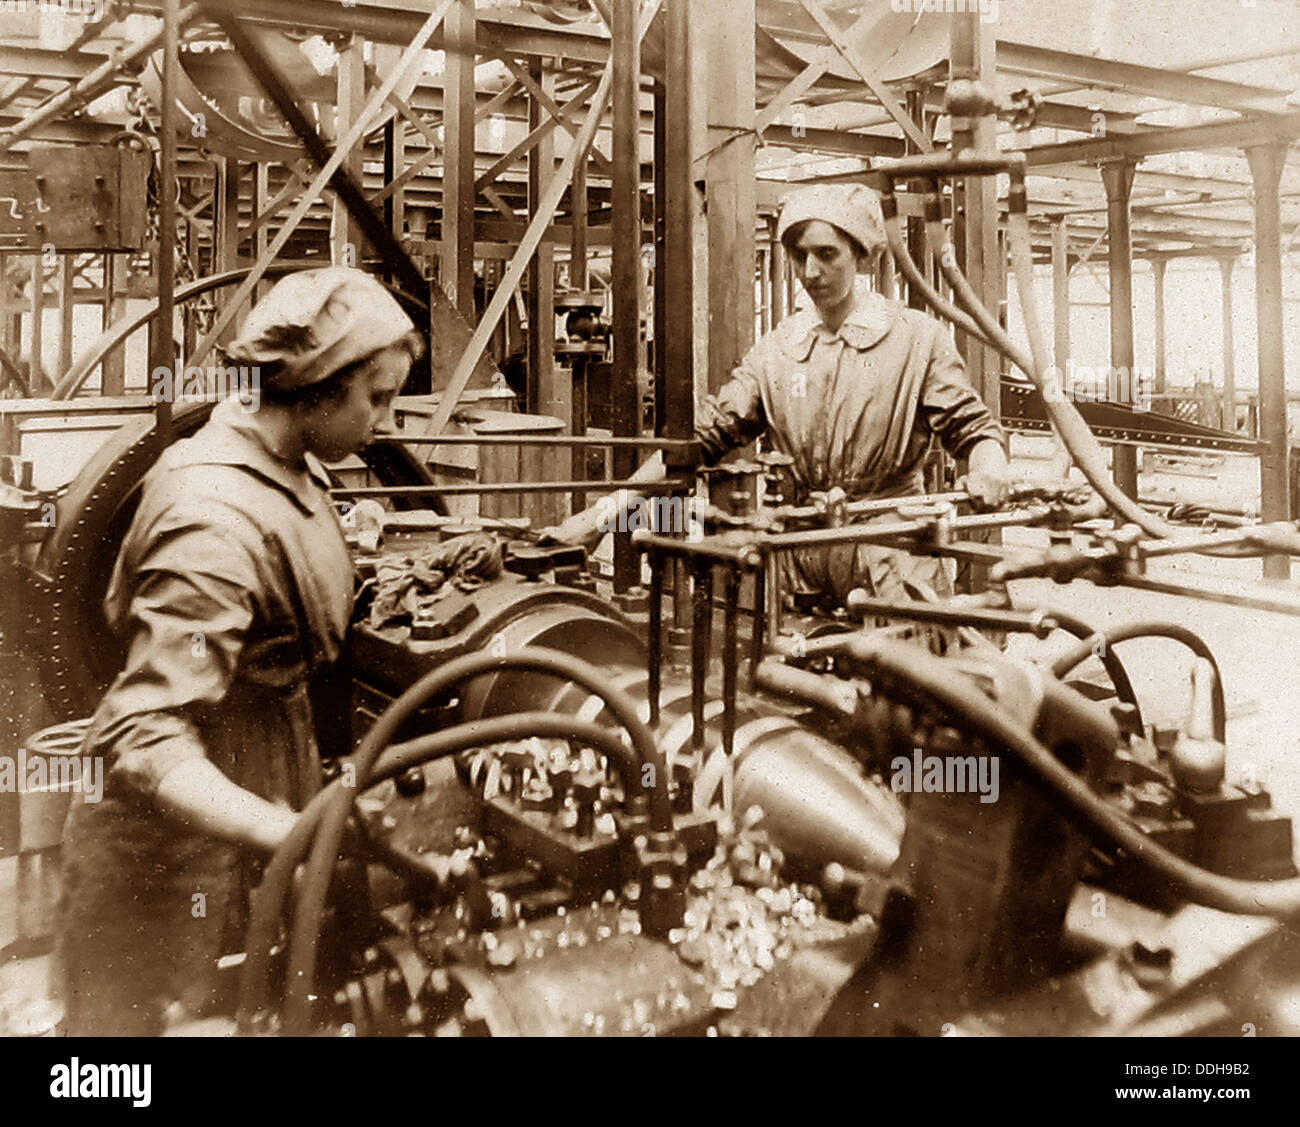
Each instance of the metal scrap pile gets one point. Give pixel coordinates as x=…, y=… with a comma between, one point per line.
x=741, y=917
x=407, y=586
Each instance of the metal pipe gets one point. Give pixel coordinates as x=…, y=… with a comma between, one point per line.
x=730, y=656
x=495, y=487
x=655, y=640
x=163, y=352
x=701, y=636
x=597, y=442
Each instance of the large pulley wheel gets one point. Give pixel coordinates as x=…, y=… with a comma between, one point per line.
x=78, y=654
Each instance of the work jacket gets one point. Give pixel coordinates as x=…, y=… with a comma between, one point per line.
x=233, y=590
x=856, y=408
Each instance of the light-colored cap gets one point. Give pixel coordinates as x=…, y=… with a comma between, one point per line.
x=314, y=323
x=853, y=208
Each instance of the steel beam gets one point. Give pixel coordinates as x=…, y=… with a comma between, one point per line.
x=1193, y=138
x=345, y=232
x=1137, y=80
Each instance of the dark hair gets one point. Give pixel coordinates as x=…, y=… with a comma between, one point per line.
x=796, y=230
x=334, y=388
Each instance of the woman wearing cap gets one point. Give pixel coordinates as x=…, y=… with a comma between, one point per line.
x=853, y=390
x=233, y=589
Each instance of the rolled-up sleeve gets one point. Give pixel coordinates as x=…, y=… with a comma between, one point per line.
x=950, y=405
x=189, y=612
x=735, y=415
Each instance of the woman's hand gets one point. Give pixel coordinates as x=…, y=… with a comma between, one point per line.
x=988, y=475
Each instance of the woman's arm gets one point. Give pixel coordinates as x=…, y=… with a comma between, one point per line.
x=192, y=592
x=196, y=793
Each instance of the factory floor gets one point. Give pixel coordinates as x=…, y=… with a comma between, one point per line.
x=1257, y=651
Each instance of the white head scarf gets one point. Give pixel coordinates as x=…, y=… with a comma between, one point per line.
x=314, y=323
x=853, y=208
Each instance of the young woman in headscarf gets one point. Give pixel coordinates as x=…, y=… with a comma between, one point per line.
x=233, y=589
x=853, y=390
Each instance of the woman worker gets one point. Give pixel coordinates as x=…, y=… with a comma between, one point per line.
x=853, y=390
x=233, y=590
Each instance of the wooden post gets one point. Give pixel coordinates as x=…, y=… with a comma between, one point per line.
x=346, y=242
x=544, y=394
x=458, y=160
x=729, y=185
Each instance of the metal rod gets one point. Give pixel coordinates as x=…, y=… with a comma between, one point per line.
x=655, y=626
x=758, y=619
x=873, y=533
x=163, y=352
x=535, y=440
x=1039, y=623
x=701, y=631
x=625, y=202
x=730, y=613
x=495, y=487
x=745, y=554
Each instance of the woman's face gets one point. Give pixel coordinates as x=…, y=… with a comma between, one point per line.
x=344, y=425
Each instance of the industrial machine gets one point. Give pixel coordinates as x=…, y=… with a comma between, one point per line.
x=567, y=815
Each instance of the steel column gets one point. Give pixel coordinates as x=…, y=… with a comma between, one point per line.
x=1159, y=265
x=1229, y=417
x=1117, y=177
x=1266, y=163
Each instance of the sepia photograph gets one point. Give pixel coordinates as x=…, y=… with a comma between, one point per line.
x=548, y=519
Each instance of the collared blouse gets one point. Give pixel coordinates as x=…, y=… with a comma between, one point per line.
x=855, y=408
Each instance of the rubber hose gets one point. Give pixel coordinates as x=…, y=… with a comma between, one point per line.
x=270, y=896
x=320, y=865
x=981, y=716
x=1193, y=642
